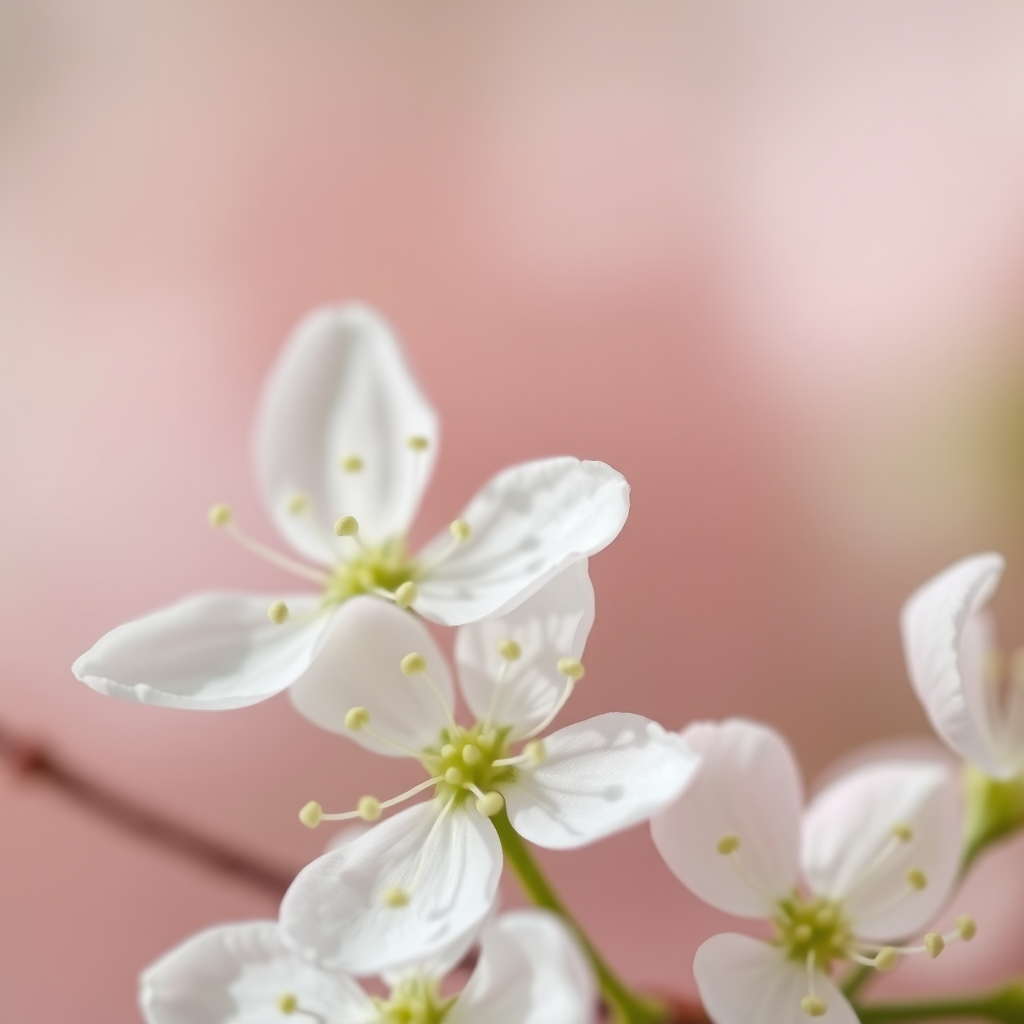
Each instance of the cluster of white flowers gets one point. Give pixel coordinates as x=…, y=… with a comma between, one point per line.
x=345, y=446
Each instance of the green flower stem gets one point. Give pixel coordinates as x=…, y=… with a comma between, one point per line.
x=995, y=810
x=1005, y=1006
x=628, y=1006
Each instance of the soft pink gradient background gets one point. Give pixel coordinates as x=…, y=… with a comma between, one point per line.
x=763, y=259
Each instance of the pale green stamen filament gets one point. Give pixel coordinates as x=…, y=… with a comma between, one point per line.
x=811, y=1004
x=221, y=518
x=510, y=651
x=358, y=720
x=369, y=808
x=416, y=665
x=289, y=1005
x=461, y=532
x=398, y=896
x=573, y=672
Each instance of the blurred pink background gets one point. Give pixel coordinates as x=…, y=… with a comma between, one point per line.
x=764, y=258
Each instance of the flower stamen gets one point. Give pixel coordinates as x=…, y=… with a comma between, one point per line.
x=396, y=896
x=368, y=808
x=573, y=672
x=358, y=720
x=461, y=531
x=288, y=1004
x=416, y=665
x=811, y=1004
x=222, y=518
x=351, y=464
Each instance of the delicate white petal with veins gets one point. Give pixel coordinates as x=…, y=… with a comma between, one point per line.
x=235, y=974
x=744, y=981
x=359, y=666
x=342, y=388
x=849, y=852
x=748, y=787
x=598, y=777
x=948, y=675
x=210, y=652
x=530, y=971
x=334, y=911
x=554, y=623
x=529, y=523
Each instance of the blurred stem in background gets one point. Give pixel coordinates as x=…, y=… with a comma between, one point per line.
x=627, y=1007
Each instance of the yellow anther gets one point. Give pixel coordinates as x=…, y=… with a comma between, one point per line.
x=219, y=516
x=802, y=932
x=534, y=751
x=570, y=668
x=454, y=777
x=966, y=928
x=461, y=530
x=406, y=594
x=356, y=718
x=413, y=664
x=368, y=808
x=347, y=526
x=448, y=750
x=490, y=803
x=486, y=740
x=825, y=918
x=934, y=943
x=886, y=958
x=903, y=832
x=287, y=1003
x=813, y=1006
x=351, y=464
x=509, y=650
x=727, y=845
x=471, y=755
x=278, y=613
x=394, y=897
x=418, y=443
x=917, y=879
x=297, y=504
x=311, y=815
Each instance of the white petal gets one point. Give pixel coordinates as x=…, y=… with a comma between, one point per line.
x=529, y=523
x=747, y=786
x=359, y=666
x=341, y=387
x=946, y=673
x=209, y=652
x=235, y=973
x=743, y=981
x=334, y=912
x=598, y=777
x=849, y=852
x=530, y=971
x=552, y=624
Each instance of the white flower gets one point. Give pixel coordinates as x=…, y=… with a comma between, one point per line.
x=873, y=858
x=429, y=873
x=954, y=666
x=529, y=971
x=345, y=446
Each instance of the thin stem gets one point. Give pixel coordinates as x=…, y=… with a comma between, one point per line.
x=628, y=1006
x=855, y=980
x=1005, y=1006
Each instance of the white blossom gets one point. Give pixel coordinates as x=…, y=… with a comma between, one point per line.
x=345, y=447
x=529, y=971
x=430, y=872
x=873, y=858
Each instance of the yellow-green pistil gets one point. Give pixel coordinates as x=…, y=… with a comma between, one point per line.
x=415, y=1000
x=464, y=761
x=806, y=927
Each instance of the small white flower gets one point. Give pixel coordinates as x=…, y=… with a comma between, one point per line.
x=430, y=872
x=873, y=858
x=529, y=971
x=956, y=670
x=345, y=447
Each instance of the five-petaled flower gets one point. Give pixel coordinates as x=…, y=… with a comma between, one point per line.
x=529, y=971
x=430, y=872
x=873, y=858
x=345, y=446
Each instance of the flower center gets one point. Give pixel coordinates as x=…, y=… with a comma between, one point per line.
x=469, y=762
x=812, y=929
x=371, y=570
x=414, y=1000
